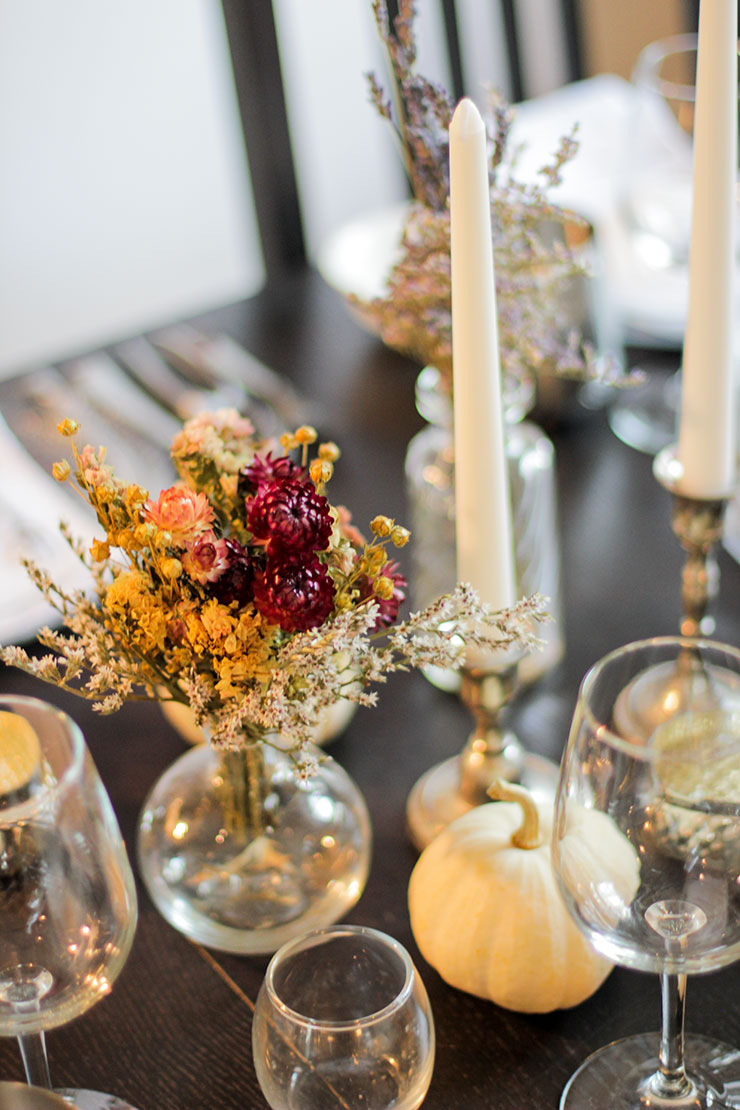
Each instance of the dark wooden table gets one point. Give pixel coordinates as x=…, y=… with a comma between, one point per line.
x=175, y=1034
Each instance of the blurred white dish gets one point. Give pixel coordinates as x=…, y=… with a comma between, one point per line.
x=332, y=723
x=357, y=257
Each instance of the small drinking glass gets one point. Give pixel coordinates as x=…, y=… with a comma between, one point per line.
x=343, y=1020
x=646, y=847
x=67, y=896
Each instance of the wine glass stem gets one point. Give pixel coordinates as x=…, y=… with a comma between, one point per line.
x=35, y=1061
x=671, y=1081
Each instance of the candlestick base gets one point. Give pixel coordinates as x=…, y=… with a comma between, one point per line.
x=451, y=788
x=436, y=799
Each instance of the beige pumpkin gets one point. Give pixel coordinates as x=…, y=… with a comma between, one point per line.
x=486, y=912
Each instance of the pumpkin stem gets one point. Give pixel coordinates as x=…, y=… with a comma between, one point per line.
x=527, y=836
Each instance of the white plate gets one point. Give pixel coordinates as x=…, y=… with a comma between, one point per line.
x=358, y=257
x=651, y=304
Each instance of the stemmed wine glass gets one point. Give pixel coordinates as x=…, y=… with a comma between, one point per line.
x=67, y=897
x=646, y=847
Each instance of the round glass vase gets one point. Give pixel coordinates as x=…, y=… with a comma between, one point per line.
x=430, y=489
x=243, y=850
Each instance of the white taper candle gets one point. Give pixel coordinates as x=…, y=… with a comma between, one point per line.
x=483, y=513
x=707, y=432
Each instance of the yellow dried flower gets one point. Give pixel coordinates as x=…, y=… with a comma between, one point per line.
x=375, y=559
x=288, y=441
x=171, y=568
x=100, y=550
x=125, y=538
x=162, y=538
x=305, y=435
x=381, y=526
x=400, y=536
x=329, y=452
x=61, y=470
x=217, y=620
x=383, y=588
x=68, y=427
x=320, y=471
x=103, y=494
x=131, y=603
x=144, y=532
x=229, y=484
x=135, y=496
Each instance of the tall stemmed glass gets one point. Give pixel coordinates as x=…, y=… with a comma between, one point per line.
x=67, y=896
x=646, y=847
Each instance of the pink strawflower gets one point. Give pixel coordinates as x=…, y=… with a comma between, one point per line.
x=289, y=517
x=181, y=512
x=294, y=595
x=206, y=559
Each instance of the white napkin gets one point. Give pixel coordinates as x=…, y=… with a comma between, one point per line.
x=31, y=506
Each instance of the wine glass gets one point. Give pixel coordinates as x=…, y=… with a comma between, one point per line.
x=646, y=848
x=67, y=896
x=343, y=1020
x=654, y=217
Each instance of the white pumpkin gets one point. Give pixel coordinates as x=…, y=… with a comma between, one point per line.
x=487, y=914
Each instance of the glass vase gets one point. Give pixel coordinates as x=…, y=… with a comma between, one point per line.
x=430, y=489
x=243, y=850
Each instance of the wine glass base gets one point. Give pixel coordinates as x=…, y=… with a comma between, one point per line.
x=644, y=418
x=616, y=1076
x=435, y=799
x=92, y=1100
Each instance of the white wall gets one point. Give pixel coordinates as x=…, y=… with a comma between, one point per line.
x=124, y=192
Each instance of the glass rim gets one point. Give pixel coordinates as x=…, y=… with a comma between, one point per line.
x=331, y=932
x=77, y=748
x=651, y=56
x=605, y=734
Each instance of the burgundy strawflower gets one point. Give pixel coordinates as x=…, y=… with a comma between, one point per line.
x=290, y=518
x=387, y=607
x=262, y=471
x=297, y=595
x=237, y=581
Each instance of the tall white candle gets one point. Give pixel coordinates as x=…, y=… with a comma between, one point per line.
x=483, y=513
x=707, y=431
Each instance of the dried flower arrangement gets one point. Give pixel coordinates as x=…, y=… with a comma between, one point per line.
x=242, y=592
x=534, y=241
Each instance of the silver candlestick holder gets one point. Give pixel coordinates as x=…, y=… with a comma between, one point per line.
x=492, y=751
x=697, y=523
x=655, y=696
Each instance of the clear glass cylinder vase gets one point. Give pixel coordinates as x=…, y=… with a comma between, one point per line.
x=430, y=490
x=242, y=850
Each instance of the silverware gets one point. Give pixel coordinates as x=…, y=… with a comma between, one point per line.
x=144, y=362
x=100, y=379
x=44, y=397
x=215, y=360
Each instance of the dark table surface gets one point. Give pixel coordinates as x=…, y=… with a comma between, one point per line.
x=175, y=1034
